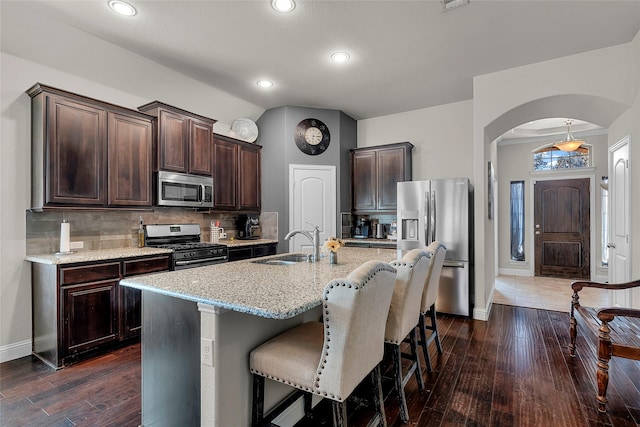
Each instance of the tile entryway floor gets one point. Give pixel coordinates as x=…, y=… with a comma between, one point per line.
x=544, y=293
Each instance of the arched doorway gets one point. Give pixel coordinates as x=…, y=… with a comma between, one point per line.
x=594, y=109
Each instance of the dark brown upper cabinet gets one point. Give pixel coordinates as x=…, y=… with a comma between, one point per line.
x=88, y=153
x=130, y=162
x=236, y=176
x=375, y=171
x=184, y=139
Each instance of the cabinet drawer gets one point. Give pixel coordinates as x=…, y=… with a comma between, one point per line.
x=89, y=273
x=264, y=250
x=236, y=254
x=147, y=265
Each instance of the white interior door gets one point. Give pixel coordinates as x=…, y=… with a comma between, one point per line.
x=619, y=220
x=312, y=201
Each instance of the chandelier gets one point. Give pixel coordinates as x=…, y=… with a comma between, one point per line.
x=569, y=143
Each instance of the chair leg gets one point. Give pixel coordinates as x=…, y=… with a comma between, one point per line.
x=378, y=398
x=416, y=358
x=423, y=342
x=434, y=326
x=339, y=413
x=602, y=371
x=308, y=410
x=573, y=333
x=257, y=412
x=397, y=376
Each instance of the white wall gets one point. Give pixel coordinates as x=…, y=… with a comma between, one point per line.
x=598, y=86
x=442, y=136
x=629, y=124
x=89, y=67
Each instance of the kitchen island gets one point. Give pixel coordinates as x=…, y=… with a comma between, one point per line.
x=200, y=324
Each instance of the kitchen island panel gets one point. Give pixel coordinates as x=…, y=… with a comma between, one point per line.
x=170, y=361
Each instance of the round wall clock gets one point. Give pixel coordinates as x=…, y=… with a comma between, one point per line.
x=312, y=136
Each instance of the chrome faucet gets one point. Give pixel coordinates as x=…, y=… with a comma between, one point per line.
x=314, y=239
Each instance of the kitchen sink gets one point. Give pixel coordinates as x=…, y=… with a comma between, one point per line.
x=286, y=259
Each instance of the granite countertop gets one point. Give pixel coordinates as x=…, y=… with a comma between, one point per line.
x=237, y=242
x=97, y=255
x=107, y=254
x=371, y=241
x=271, y=291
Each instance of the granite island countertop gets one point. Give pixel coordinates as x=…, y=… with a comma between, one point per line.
x=271, y=291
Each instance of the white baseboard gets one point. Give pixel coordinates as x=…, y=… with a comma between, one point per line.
x=482, y=314
x=294, y=413
x=514, y=272
x=291, y=416
x=15, y=351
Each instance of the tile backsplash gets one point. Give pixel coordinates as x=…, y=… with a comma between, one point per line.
x=109, y=229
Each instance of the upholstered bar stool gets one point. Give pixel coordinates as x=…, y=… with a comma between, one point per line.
x=428, y=304
x=330, y=358
x=404, y=314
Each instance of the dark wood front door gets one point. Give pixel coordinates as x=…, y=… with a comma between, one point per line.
x=562, y=227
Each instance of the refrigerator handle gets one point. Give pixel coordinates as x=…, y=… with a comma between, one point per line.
x=434, y=213
x=427, y=218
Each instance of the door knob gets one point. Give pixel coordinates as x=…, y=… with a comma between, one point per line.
x=537, y=225
x=537, y=232
x=611, y=245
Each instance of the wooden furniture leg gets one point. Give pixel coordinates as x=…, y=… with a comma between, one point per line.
x=339, y=413
x=573, y=331
x=397, y=376
x=602, y=372
x=378, y=397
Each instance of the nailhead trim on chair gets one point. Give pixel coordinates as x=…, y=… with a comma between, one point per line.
x=327, y=333
x=327, y=326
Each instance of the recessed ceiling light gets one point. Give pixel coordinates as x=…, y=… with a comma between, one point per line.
x=122, y=8
x=283, y=5
x=340, y=57
x=264, y=83
x=452, y=4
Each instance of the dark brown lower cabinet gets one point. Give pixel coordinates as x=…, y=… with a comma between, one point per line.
x=81, y=309
x=131, y=312
x=251, y=251
x=90, y=316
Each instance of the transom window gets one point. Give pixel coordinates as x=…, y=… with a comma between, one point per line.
x=552, y=158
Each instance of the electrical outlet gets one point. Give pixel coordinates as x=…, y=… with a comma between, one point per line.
x=76, y=245
x=206, y=351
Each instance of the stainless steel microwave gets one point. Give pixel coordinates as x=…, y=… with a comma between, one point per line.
x=179, y=189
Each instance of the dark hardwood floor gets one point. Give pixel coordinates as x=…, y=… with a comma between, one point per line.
x=513, y=370
x=103, y=391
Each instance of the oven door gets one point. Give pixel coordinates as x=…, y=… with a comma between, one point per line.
x=198, y=258
x=200, y=262
x=175, y=189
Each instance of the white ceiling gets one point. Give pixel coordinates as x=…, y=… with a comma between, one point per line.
x=405, y=55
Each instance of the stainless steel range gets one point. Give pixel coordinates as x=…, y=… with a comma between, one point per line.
x=184, y=240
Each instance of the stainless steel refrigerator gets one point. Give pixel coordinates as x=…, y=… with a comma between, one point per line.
x=442, y=210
